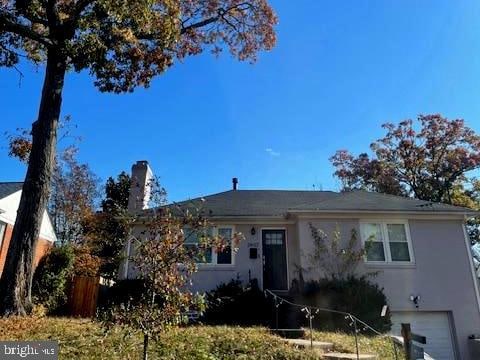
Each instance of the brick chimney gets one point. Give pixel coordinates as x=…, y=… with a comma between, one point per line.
x=141, y=186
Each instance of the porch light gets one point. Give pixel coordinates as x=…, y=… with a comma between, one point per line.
x=253, y=231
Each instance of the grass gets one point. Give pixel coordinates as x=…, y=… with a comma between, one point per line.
x=378, y=345
x=83, y=339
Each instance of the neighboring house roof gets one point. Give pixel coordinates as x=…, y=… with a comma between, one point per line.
x=8, y=188
x=281, y=202
x=10, y=194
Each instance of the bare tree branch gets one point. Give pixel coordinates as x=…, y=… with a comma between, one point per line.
x=9, y=24
x=221, y=14
x=37, y=20
x=22, y=7
x=200, y=24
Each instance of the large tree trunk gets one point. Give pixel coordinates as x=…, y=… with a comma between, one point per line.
x=16, y=280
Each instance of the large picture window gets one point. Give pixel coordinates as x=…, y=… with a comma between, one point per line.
x=387, y=241
x=209, y=255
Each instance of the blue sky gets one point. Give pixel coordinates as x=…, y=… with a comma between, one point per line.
x=340, y=69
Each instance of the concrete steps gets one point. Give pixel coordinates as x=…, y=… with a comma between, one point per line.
x=303, y=343
x=342, y=356
x=324, y=348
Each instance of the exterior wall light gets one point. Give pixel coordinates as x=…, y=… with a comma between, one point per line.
x=415, y=299
x=253, y=231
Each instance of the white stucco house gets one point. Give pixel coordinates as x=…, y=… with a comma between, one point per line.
x=420, y=250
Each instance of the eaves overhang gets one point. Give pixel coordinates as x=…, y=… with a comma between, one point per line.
x=237, y=219
x=385, y=213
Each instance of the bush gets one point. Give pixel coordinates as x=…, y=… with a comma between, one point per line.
x=86, y=264
x=123, y=291
x=353, y=295
x=235, y=304
x=50, y=281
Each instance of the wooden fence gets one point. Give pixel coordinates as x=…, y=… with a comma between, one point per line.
x=412, y=351
x=83, y=297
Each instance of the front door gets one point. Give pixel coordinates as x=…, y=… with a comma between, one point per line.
x=274, y=248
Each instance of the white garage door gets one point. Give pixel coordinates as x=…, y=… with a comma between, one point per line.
x=434, y=325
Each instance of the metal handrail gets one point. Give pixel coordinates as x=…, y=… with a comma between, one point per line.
x=308, y=309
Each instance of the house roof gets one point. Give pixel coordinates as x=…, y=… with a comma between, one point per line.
x=370, y=201
x=255, y=202
x=8, y=188
x=281, y=202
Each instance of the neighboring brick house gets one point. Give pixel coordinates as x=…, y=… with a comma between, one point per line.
x=10, y=193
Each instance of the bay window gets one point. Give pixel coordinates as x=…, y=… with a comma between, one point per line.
x=387, y=241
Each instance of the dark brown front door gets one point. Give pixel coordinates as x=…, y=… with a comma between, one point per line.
x=274, y=248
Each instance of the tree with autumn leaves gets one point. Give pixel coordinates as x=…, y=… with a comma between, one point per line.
x=97, y=235
x=105, y=232
x=122, y=44
x=428, y=159
x=74, y=187
x=165, y=244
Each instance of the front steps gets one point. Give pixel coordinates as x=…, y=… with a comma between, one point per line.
x=324, y=348
x=341, y=356
x=317, y=345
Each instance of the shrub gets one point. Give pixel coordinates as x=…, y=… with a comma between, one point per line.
x=85, y=263
x=50, y=281
x=335, y=255
x=122, y=292
x=236, y=304
x=353, y=295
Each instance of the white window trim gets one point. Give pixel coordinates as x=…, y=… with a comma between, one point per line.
x=214, y=251
x=3, y=227
x=386, y=243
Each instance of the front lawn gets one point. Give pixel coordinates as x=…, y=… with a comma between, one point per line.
x=83, y=339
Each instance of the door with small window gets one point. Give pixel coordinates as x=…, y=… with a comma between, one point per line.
x=274, y=248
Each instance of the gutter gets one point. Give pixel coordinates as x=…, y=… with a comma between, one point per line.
x=291, y=214
x=239, y=219
x=381, y=212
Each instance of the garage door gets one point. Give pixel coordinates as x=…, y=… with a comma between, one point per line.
x=434, y=325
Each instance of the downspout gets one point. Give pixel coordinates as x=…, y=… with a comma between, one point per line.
x=472, y=268
x=127, y=257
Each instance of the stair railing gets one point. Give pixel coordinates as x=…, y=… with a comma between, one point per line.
x=311, y=311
